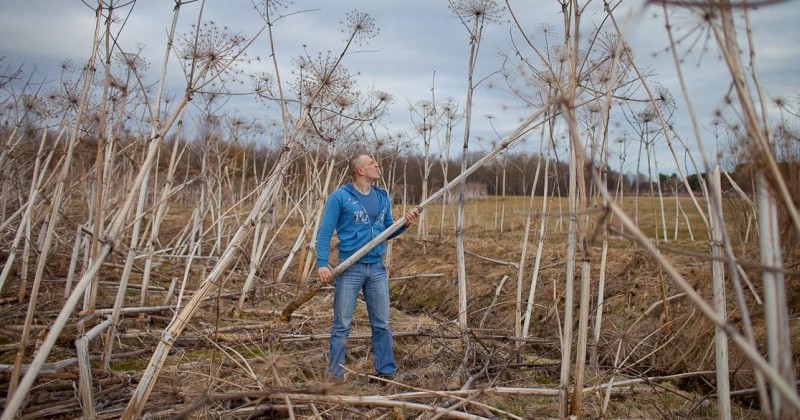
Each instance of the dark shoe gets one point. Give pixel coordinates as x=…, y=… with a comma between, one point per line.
x=380, y=379
x=334, y=380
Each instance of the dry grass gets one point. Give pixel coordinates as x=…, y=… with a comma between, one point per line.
x=222, y=354
x=484, y=215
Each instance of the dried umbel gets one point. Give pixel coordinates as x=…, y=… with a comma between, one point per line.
x=450, y=110
x=610, y=47
x=487, y=11
x=383, y=97
x=425, y=108
x=359, y=27
x=273, y=7
x=213, y=50
x=132, y=61
x=664, y=103
x=263, y=84
x=321, y=78
x=33, y=106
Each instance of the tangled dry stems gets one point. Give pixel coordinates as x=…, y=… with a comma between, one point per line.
x=223, y=364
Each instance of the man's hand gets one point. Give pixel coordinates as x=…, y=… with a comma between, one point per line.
x=325, y=275
x=411, y=217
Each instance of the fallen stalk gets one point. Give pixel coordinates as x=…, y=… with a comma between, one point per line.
x=369, y=401
x=61, y=365
x=399, y=400
x=496, y=261
x=418, y=276
x=239, y=334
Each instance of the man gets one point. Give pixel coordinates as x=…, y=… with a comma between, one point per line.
x=358, y=212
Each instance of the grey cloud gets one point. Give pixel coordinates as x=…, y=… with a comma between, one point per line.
x=417, y=37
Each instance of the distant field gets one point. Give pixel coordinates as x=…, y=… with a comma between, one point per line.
x=485, y=215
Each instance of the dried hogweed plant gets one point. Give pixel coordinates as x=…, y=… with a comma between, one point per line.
x=359, y=28
x=213, y=55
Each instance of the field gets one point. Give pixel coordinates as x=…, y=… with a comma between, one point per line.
x=158, y=211
x=242, y=362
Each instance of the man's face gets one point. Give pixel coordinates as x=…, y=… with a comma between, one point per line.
x=370, y=170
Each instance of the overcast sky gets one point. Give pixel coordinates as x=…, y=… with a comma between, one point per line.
x=417, y=38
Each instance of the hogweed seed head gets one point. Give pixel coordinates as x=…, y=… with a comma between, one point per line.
x=321, y=77
x=132, y=61
x=489, y=11
x=384, y=97
x=360, y=27
x=219, y=50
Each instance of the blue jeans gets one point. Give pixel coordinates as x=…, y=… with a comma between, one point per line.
x=371, y=278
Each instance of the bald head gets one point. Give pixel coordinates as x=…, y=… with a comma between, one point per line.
x=358, y=162
x=364, y=168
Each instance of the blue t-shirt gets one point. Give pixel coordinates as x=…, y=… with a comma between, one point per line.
x=346, y=214
x=371, y=203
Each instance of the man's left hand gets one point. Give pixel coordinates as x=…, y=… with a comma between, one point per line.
x=411, y=217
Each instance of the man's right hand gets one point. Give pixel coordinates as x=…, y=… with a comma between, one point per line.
x=325, y=275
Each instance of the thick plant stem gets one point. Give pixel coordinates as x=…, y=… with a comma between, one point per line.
x=85, y=369
x=718, y=280
x=524, y=252
x=567, y=100
x=583, y=330
x=539, y=244
x=461, y=268
x=779, y=348
x=97, y=222
x=569, y=291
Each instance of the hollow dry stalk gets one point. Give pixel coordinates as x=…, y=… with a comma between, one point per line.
x=718, y=280
x=540, y=237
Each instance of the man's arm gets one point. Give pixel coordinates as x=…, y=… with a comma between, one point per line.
x=410, y=216
x=324, y=235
